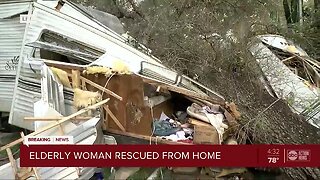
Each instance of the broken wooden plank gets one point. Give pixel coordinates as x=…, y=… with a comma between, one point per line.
x=100, y=88
x=35, y=172
x=83, y=84
x=75, y=78
x=12, y=161
x=24, y=173
x=155, y=82
x=217, y=95
x=55, y=118
x=114, y=118
x=64, y=119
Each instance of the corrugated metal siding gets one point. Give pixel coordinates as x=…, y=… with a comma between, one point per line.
x=9, y=9
x=6, y=91
x=11, y=37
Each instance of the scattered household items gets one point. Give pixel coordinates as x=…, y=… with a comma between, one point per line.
x=93, y=82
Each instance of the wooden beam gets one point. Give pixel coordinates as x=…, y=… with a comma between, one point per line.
x=54, y=118
x=148, y=138
x=83, y=84
x=36, y=173
x=12, y=161
x=100, y=88
x=113, y=117
x=64, y=119
x=75, y=79
x=24, y=173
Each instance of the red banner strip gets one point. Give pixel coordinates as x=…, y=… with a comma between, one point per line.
x=170, y=155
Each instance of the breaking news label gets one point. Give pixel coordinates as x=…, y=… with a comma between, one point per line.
x=48, y=140
x=71, y=155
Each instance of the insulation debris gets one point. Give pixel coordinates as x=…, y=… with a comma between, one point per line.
x=98, y=70
x=62, y=76
x=84, y=98
x=120, y=67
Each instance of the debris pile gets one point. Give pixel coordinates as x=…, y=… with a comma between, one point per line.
x=72, y=84
x=78, y=84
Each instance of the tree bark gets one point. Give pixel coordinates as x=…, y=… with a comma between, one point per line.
x=317, y=4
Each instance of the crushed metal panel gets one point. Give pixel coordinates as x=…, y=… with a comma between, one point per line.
x=29, y=92
x=51, y=90
x=280, y=42
x=285, y=83
x=75, y=12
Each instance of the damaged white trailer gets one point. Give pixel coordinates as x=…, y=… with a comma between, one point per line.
x=11, y=33
x=72, y=35
x=285, y=82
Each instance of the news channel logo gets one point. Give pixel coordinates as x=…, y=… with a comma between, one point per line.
x=298, y=155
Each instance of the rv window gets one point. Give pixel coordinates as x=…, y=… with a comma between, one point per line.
x=57, y=47
x=69, y=43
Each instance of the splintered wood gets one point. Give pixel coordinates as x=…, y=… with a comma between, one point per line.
x=93, y=84
x=75, y=79
x=26, y=172
x=113, y=117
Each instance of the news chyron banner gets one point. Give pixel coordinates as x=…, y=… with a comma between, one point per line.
x=70, y=155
